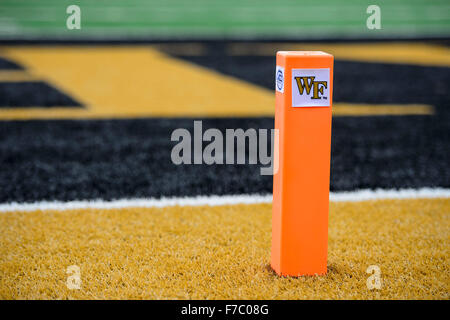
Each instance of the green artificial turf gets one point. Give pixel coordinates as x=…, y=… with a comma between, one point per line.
x=175, y=19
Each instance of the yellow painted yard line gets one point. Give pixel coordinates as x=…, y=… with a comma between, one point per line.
x=16, y=76
x=347, y=109
x=339, y=109
x=387, y=52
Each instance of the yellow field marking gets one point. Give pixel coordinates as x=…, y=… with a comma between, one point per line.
x=16, y=76
x=222, y=253
x=347, y=109
x=339, y=109
x=383, y=52
x=139, y=81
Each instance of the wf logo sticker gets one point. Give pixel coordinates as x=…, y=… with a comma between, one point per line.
x=310, y=87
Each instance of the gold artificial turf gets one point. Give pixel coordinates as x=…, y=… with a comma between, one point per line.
x=222, y=253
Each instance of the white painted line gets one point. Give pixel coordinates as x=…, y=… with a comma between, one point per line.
x=350, y=196
x=379, y=194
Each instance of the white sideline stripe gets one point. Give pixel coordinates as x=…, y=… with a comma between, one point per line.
x=350, y=196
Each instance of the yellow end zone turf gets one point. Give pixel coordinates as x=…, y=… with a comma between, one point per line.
x=222, y=253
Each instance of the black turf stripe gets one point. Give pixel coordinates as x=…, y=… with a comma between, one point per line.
x=33, y=94
x=6, y=64
x=67, y=160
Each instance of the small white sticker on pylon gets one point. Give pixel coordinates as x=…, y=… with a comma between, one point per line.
x=279, y=79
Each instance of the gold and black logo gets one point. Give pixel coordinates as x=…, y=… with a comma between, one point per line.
x=305, y=84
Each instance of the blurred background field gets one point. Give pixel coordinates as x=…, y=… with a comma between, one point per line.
x=214, y=19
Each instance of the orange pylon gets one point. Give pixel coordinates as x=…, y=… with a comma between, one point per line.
x=304, y=87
